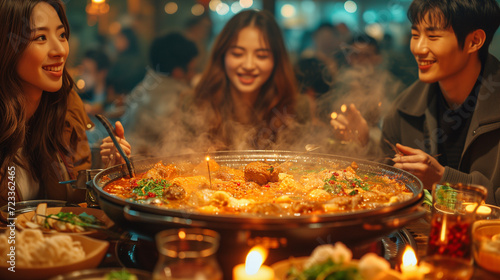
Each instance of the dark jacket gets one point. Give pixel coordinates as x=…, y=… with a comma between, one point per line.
x=412, y=122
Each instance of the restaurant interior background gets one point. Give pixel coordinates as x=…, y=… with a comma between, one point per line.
x=94, y=22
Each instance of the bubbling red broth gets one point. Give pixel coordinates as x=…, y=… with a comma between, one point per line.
x=260, y=188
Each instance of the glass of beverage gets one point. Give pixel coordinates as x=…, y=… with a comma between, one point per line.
x=449, y=250
x=187, y=254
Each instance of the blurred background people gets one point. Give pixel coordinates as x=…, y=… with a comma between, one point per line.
x=199, y=29
x=93, y=72
x=364, y=81
x=362, y=86
x=314, y=79
x=126, y=71
x=172, y=66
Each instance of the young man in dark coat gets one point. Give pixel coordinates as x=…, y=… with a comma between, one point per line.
x=446, y=126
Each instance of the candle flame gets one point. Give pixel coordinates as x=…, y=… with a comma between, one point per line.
x=97, y=1
x=207, y=158
x=442, y=237
x=182, y=234
x=255, y=259
x=343, y=108
x=409, y=257
x=334, y=115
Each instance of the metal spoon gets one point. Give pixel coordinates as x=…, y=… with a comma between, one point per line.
x=109, y=128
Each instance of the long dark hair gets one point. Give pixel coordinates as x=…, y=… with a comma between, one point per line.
x=279, y=92
x=41, y=135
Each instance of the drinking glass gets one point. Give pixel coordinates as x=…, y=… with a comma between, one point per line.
x=449, y=250
x=187, y=254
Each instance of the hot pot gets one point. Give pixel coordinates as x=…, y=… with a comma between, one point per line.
x=358, y=226
x=285, y=236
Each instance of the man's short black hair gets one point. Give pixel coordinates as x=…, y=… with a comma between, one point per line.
x=464, y=16
x=171, y=51
x=100, y=58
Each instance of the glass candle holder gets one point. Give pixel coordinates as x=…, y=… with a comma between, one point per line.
x=486, y=238
x=449, y=250
x=187, y=254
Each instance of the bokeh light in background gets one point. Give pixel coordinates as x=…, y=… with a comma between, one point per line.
x=350, y=6
x=222, y=9
x=197, y=9
x=236, y=7
x=288, y=11
x=171, y=8
x=213, y=5
x=246, y=3
x=297, y=18
x=375, y=30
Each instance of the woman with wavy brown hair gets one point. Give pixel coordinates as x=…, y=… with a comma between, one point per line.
x=248, y=92
x=42, y=139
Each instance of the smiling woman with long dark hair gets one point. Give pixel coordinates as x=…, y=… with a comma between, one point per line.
x=43, y=122
x=249, y=82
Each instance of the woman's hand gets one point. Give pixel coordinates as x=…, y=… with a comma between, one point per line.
x=420, y=164
x=109, y=154
x=350, y=125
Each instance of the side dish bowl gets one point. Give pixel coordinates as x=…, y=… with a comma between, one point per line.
x=98, y=214
x=94, y=253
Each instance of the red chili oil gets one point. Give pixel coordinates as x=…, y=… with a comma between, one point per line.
x=457, y=237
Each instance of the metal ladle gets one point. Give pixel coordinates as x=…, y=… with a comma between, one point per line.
x=109, y=128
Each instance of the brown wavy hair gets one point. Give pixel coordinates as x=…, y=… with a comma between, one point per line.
x=279, y=92
x=41, y=135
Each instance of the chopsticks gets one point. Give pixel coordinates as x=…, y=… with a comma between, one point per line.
x=109, y=128
x=399, y=153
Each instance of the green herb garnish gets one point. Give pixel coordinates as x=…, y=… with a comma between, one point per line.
x=151, y=187
x=120, y=275
x=328, y=271
x=83, y=219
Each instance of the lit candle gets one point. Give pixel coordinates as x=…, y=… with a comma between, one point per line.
x=208, y=167
x=409, y=267
x=253, y=267
x=343, y=108
x=334, y=115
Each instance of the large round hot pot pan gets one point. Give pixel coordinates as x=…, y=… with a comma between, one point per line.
x=350, y=227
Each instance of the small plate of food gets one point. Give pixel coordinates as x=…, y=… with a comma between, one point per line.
x=335, y=262
x=41, y=256
x=14, y=209
x=73, y=220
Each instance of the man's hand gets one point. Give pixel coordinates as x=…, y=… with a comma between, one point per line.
x=420, y=164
